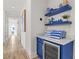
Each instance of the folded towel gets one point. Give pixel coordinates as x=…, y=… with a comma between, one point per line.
x=56, y=34
x=54, y=37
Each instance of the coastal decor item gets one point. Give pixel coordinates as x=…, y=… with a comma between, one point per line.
x=51, y=20
x=59, y=21
x=60, y=5
x=65, y=17
x=65, y=1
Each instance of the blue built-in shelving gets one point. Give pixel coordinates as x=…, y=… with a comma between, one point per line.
x=59, y=23
x=58, y=10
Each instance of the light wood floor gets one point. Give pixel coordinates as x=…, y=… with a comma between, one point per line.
x=36, y=58
x=12, y=49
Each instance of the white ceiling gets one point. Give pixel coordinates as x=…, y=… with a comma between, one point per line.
x=13, y=7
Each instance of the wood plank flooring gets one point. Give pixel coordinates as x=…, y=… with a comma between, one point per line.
x=36, y=58
x=12, y=49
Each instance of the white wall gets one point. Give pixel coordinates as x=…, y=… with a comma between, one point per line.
x=4, y=32
x=5, y=28
x=38, y=8
x=54, y=3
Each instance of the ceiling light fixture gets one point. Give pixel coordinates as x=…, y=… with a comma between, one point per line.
x=13, y=7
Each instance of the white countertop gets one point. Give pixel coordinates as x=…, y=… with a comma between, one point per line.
x=58, y=41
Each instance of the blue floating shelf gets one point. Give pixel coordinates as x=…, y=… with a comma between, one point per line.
x=59, y=23
x=58, y=10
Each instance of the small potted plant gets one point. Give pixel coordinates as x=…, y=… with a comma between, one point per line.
x=65, y=17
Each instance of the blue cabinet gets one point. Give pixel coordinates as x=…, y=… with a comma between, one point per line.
x=66, y=51
x=40, y=47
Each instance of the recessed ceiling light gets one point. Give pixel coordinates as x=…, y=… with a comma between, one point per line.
x=13, y=7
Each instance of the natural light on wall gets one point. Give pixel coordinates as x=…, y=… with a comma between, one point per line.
x=12, y=30
x=12, y=26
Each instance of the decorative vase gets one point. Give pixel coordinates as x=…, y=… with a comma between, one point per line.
x=65, y=1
